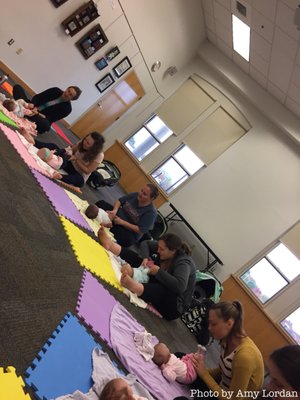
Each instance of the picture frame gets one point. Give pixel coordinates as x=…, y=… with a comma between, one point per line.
x=122, y=67
x=105, y=82
x=101, y=63
x=58, y=3
x=112, y=53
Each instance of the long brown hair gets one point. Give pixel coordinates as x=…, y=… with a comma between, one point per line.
x=231, y=310
x=173, y=242
x=97, y=147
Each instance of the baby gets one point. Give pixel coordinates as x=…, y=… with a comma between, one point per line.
x=139, y=274
x=21, y=108
x=118, y=389
x=174, y=368
x=50, y=158
x=94, y=212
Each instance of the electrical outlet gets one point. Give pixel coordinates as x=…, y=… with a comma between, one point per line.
x=19, y=51
x=11, y=41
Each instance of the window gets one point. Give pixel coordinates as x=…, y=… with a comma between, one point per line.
x=291, y=325
x=178, y=168
x=241, y=37
x=272, y=273
x=145, y=140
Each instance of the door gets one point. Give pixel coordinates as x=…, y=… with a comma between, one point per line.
x=111, y=106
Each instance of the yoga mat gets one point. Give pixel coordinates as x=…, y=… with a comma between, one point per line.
x=60, y=201
x=90, y=254
x=7, y=120
x=11, y=386
x=122, y=329
x=61, y=133
x=14, y=139
x=94, y=306
x=64, y=364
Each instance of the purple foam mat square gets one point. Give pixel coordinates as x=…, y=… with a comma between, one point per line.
x=95, y=305
x=60, y=200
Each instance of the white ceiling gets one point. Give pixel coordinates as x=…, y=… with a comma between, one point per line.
x=274, y=50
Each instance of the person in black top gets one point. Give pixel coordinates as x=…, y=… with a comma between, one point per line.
x=53, y=103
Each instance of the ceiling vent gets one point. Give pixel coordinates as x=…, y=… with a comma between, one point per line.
x=241, y=10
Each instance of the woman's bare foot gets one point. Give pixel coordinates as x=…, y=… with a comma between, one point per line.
x=130, y=284
x=104, y=239
x=107, y=243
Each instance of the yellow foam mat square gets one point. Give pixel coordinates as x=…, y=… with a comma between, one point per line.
x=11, y=385
x=90, y=254
x=81, y=206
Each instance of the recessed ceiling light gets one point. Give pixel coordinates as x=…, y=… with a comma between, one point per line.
x=241, y=37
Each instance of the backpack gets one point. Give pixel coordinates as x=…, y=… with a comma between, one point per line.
x=196, y=320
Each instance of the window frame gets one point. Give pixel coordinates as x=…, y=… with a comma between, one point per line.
x=296, y=308
x=144, y=125
x=171, y=156
x=289, y=282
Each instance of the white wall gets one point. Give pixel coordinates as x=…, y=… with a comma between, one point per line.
x=50, y=57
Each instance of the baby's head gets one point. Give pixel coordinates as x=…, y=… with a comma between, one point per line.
x=161, y=354
x=45, y=154
x=117, y=389
x=10, y=105
x=92, y=211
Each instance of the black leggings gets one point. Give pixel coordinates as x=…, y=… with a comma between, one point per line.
x=154, y=292
x=122, y=235
x=74, y=177
x=42, y=124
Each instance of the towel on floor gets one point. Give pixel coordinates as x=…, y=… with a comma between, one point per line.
x=144, y=343
x=103, y=372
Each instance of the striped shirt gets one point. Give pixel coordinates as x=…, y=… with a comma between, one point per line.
x=226, y=368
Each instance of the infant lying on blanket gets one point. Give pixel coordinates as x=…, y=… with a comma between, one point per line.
x=173, y=368
x=94, y=212
x=118, y=389
x=139, y=274
x=21, y=108
x=50, y=157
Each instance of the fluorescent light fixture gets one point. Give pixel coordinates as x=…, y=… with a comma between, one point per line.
x=241, y=37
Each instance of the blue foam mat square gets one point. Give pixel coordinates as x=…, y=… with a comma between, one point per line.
x=65, y=362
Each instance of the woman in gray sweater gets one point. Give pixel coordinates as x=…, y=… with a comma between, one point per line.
x=171, y=274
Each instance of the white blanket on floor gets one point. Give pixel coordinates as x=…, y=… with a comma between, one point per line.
x=103, y=372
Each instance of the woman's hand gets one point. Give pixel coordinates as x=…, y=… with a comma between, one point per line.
x=198, y=363
x=112, y=214
x=153, y=269
x=119, y=221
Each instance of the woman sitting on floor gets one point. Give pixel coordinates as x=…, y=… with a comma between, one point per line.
x=86, y=156
x=171, y=278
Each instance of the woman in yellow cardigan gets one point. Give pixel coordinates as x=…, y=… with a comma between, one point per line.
x=241, y=367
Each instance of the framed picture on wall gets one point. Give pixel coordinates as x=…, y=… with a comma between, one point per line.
x=123, y=66
x=58, y=3
x=101, y=64
x=112, y=53
x=105, y=83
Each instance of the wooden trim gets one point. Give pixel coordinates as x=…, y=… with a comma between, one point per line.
x=132, y=175
x=28, y=89
x=261, y=328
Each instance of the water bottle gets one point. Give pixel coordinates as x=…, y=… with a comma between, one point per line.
x=3, y=78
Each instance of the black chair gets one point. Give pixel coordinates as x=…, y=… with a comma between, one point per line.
x=108, y=174
x=160, y=228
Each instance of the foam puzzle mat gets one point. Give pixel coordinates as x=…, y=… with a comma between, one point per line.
x=94, y=306
x=60, y=201
x=7, y=120
x=90, y=254
x=64, y=364
x=11, y=385
x=61, y=133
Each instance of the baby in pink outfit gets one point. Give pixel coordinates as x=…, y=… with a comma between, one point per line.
x=174, y=368
x=50, y=158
